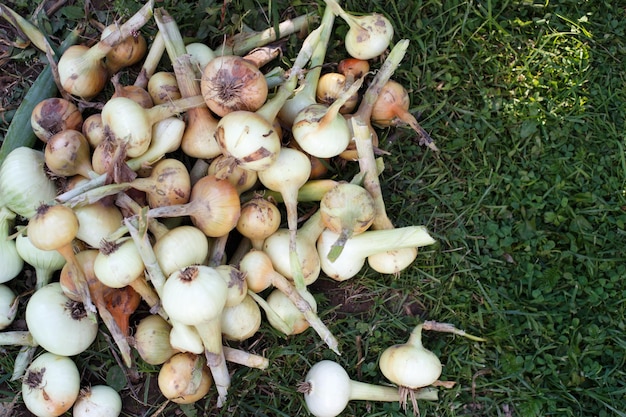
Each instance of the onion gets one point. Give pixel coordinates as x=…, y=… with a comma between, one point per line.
x=137, y=94
x=93, y=130
x=152, y=340
x=289, y=314
x=235, y=282
x=327, y=389
x=359, y=247
x=96, y=221
x=242, y=179
x=347, y=209
x=97, y=401
x=8, y=306
x=45, y=262
x=163, y=87
x=330, y=87
x=249, y=138
x=82, y=71
x=12, y=262
x=260, y=275
x=241, y=321
x=55, y=228
x=259, y=219
x=286, y=175
x=199, y=138
x=50, y=313
x=68, y=153
x=201, y=55
x=53, y=115
x=369, y=35
x=391, y=109
x=213, y=205
x=196, y=296
x=168, y=184
x=184, y=378
x=230, y=83
x=353, y=69
x=51, y=385
x=180, y=247
x=119, y=264
x=277, y=245
x=128, y=52
x=131, y=125
x=24, y=183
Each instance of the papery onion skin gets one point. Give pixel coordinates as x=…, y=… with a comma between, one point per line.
x=230, y=83
x=53, y=115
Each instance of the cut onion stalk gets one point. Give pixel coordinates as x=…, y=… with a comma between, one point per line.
x=54, y=228
x=203, y=292
x=327, y=389
x=392, y=109
x=369, y=35
x=82, y=71
x=250, y=139
x=359, y=247
x=260, y=275
x=305, y=96
x=151, y=62
x=259, y=219
x=347, y=210
x=199, y=139
x=53, y=115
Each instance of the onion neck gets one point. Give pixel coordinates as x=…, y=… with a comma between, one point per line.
x=370, y=392
x=378, y=241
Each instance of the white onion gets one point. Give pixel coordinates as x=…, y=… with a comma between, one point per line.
x=98, y=401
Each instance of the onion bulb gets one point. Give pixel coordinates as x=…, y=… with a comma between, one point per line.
x=201, y=55
x=369, y=35
x=163, y=87
x=259, y=219
x=23, y=181
x=12, y=262
x=184, y=378
x=242, y=179
x=68, y=153
x=45, y=262
x=327, y=389
x=391, y=108
x=348, y=209
x=93, y=130
x=241, y=321
x=8, y=306
x=152, y=340
x=97, y=401
x=168, y=184
x=50, y=313
x=53, y=115
x=213, y=206
x=230, y=83
x=180, y=247
x=353, y=69
x=51, y=385
x=330, y=87
x=287, y=311
x=128, y=52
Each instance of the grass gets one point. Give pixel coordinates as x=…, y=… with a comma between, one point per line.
x=526, y=102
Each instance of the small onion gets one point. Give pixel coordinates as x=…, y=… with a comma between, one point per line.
x=97, y=401
x=8, y=306
x=53, y=115
x=184, y=378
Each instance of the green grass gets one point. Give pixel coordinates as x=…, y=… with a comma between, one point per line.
x=526, y=101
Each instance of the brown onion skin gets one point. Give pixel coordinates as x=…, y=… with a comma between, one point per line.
x=231, y=83
x=52, y=115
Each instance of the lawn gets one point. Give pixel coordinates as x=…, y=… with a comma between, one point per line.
x=527, y=103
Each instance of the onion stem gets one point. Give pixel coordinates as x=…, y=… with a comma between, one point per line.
x=17, y=338
x=151, y=61
x=244, y=358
